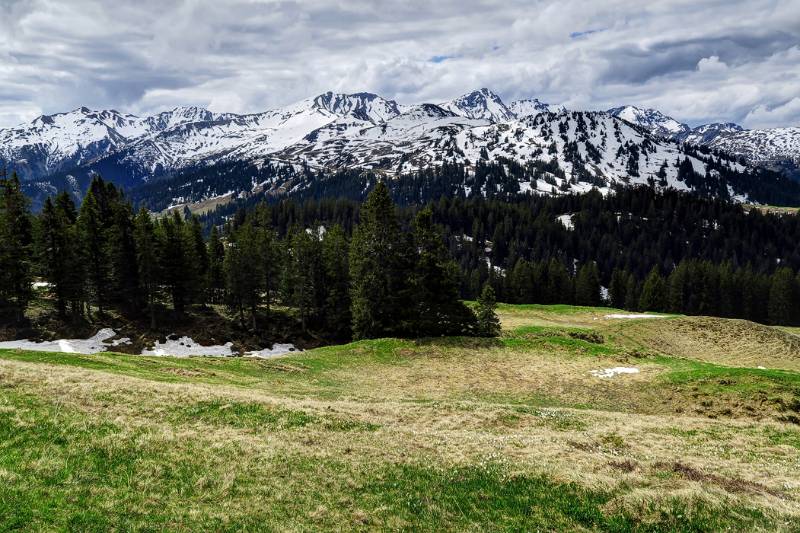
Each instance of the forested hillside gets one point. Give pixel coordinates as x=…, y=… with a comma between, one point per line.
x=349, y=270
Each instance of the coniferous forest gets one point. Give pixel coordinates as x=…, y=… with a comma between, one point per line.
x=348, y=269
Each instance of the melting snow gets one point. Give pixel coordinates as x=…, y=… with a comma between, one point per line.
x=277, y=350
x=566, y=220
x=185, y=346
x=94, y=344
x=611, y=372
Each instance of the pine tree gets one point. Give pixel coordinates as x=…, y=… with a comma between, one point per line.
x=587, y=285
x=488, y=323
x=676, y=288
x=216, y=272
x=379, y=270
x=631, y=294
x=244, y=279
x=176, y=260
x=303, y=277
x=147, y=261
x=52, y=248
x=617, y=288
x=16, y=242
x=122, y=252
x=782, y=297
x=654, y=292
x=272, y=258
x=94, y=242
x=337, y=282
x=437, y=310
x=201, y=262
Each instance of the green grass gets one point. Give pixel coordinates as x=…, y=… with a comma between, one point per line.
x=445, y=434
x=65, y=471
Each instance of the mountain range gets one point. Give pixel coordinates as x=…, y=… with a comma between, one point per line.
x=558, y=150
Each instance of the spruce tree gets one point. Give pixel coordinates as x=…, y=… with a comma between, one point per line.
x=437, y=309
x=617, y=288
x=16, y=242
x=654, y=292
x=244, y=279
x=147, y=261
x=52, y=248
x=488, y=322
x=176, y=260
x=94, y=242
x=201, y=261
x=587, y=285
x=336, y=315
x=379, y=270
x=782, y=297
x=272, y=258
x=216, y=272
x=304, y=277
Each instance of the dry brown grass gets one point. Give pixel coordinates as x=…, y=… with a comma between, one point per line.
x=580, y=445
x=729, y=342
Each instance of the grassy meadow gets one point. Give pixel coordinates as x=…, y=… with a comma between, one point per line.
x=446, y=434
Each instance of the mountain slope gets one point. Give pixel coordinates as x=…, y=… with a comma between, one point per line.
x=558, y=150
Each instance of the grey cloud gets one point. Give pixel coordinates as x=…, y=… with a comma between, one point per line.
x=698, y=60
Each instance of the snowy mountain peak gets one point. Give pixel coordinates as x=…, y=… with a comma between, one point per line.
x=708, y=132
x=532, y=106
x=364, y=106
x=482, y=104
x=651, y=119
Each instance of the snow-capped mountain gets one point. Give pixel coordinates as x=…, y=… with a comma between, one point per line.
x=532, y=106
x=480, y=104
x=561, y=150
x=777, y=148
x=774, y=147
x=705, y=134
x=651, y=119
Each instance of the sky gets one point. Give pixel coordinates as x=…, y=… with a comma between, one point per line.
x=698, y=61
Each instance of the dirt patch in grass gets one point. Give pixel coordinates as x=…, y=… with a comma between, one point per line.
x=728, y=483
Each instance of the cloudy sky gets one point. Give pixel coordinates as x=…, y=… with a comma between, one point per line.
x=699, y=61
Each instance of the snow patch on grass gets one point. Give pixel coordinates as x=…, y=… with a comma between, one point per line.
x=186, y=346
x=611, y=372
x=94, y=344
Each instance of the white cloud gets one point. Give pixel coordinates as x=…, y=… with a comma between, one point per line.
x=250, y=55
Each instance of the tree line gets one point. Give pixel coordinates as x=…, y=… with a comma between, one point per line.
x=534, y=249
x=380, y=279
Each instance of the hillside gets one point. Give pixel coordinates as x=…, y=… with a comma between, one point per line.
x=518, y=433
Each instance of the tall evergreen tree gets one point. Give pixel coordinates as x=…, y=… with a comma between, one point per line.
x=93, y=230
x=147, y=261
x=782, y=297
x=58, y=252
x=336, y=315
x=617, y=287
x=437, y=310
x=201, y=261
x=587, y=285
x=654, y=292
x=379, y=269
x=216, y=272
x=16, y=241
x=244, y=279
x=176, y=254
